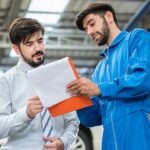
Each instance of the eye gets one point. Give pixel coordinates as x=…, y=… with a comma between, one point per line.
x=40, y=41
x=92, y=24
x=29, y=44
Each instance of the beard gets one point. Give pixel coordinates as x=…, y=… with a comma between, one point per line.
x=104, y=34
x=31, y=62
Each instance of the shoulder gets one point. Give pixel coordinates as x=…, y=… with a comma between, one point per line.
x=138, y=33
x=9, y=74
x=136, y=37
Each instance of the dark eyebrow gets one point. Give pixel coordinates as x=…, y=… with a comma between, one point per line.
x=29, y=42
x=40, y=38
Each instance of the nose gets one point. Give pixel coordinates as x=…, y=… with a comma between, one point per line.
x=37, y=46
x=89, y=32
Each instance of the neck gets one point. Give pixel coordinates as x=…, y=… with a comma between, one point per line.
x=114, y=32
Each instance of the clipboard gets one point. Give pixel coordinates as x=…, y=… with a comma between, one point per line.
x=49, y=82
x=72, y=103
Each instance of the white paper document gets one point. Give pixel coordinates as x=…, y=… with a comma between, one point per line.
x=49, y=81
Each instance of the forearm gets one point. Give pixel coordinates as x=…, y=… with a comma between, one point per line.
x=91, y=116
x=134, y=85
x=13, y=123
x=70, y=129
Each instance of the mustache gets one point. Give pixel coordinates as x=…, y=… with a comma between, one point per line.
x=37, y=53
x=93, y=35
x=97, y=33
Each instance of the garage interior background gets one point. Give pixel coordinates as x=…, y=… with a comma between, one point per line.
x=62, y=37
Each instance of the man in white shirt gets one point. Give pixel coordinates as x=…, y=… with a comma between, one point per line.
x=20, y=118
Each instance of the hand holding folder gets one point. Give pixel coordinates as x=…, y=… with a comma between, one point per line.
x=49, y=82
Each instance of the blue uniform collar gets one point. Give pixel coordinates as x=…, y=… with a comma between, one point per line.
x=119, y=38
x=115, y=42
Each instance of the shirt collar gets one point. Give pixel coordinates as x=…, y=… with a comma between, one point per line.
x=103, y=53
x=23, y=66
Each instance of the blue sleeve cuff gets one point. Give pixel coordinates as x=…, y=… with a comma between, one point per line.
x=106, y=89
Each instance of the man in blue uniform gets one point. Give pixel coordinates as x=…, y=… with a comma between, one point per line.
x=120, y=86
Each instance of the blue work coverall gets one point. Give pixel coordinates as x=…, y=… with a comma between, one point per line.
x=123, y=77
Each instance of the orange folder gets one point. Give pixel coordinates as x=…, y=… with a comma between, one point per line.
x=72, y=103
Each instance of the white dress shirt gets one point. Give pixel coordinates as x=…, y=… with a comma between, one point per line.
x=22, y=132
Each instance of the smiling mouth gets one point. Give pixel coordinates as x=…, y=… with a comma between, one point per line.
x=96, y=37
x=38, y=54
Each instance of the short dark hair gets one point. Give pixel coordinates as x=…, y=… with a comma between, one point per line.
x=94, y=8
x=21, y=29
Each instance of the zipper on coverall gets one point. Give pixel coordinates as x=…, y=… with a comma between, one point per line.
x=112, y=123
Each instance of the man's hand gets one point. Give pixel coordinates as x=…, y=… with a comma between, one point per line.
x=34, y=106
x=83, y=87
x=53, y=143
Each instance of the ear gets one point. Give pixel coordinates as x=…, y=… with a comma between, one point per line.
x=109, y=17
x=16, y=49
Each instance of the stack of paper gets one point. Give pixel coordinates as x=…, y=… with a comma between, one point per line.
x=49, y=82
